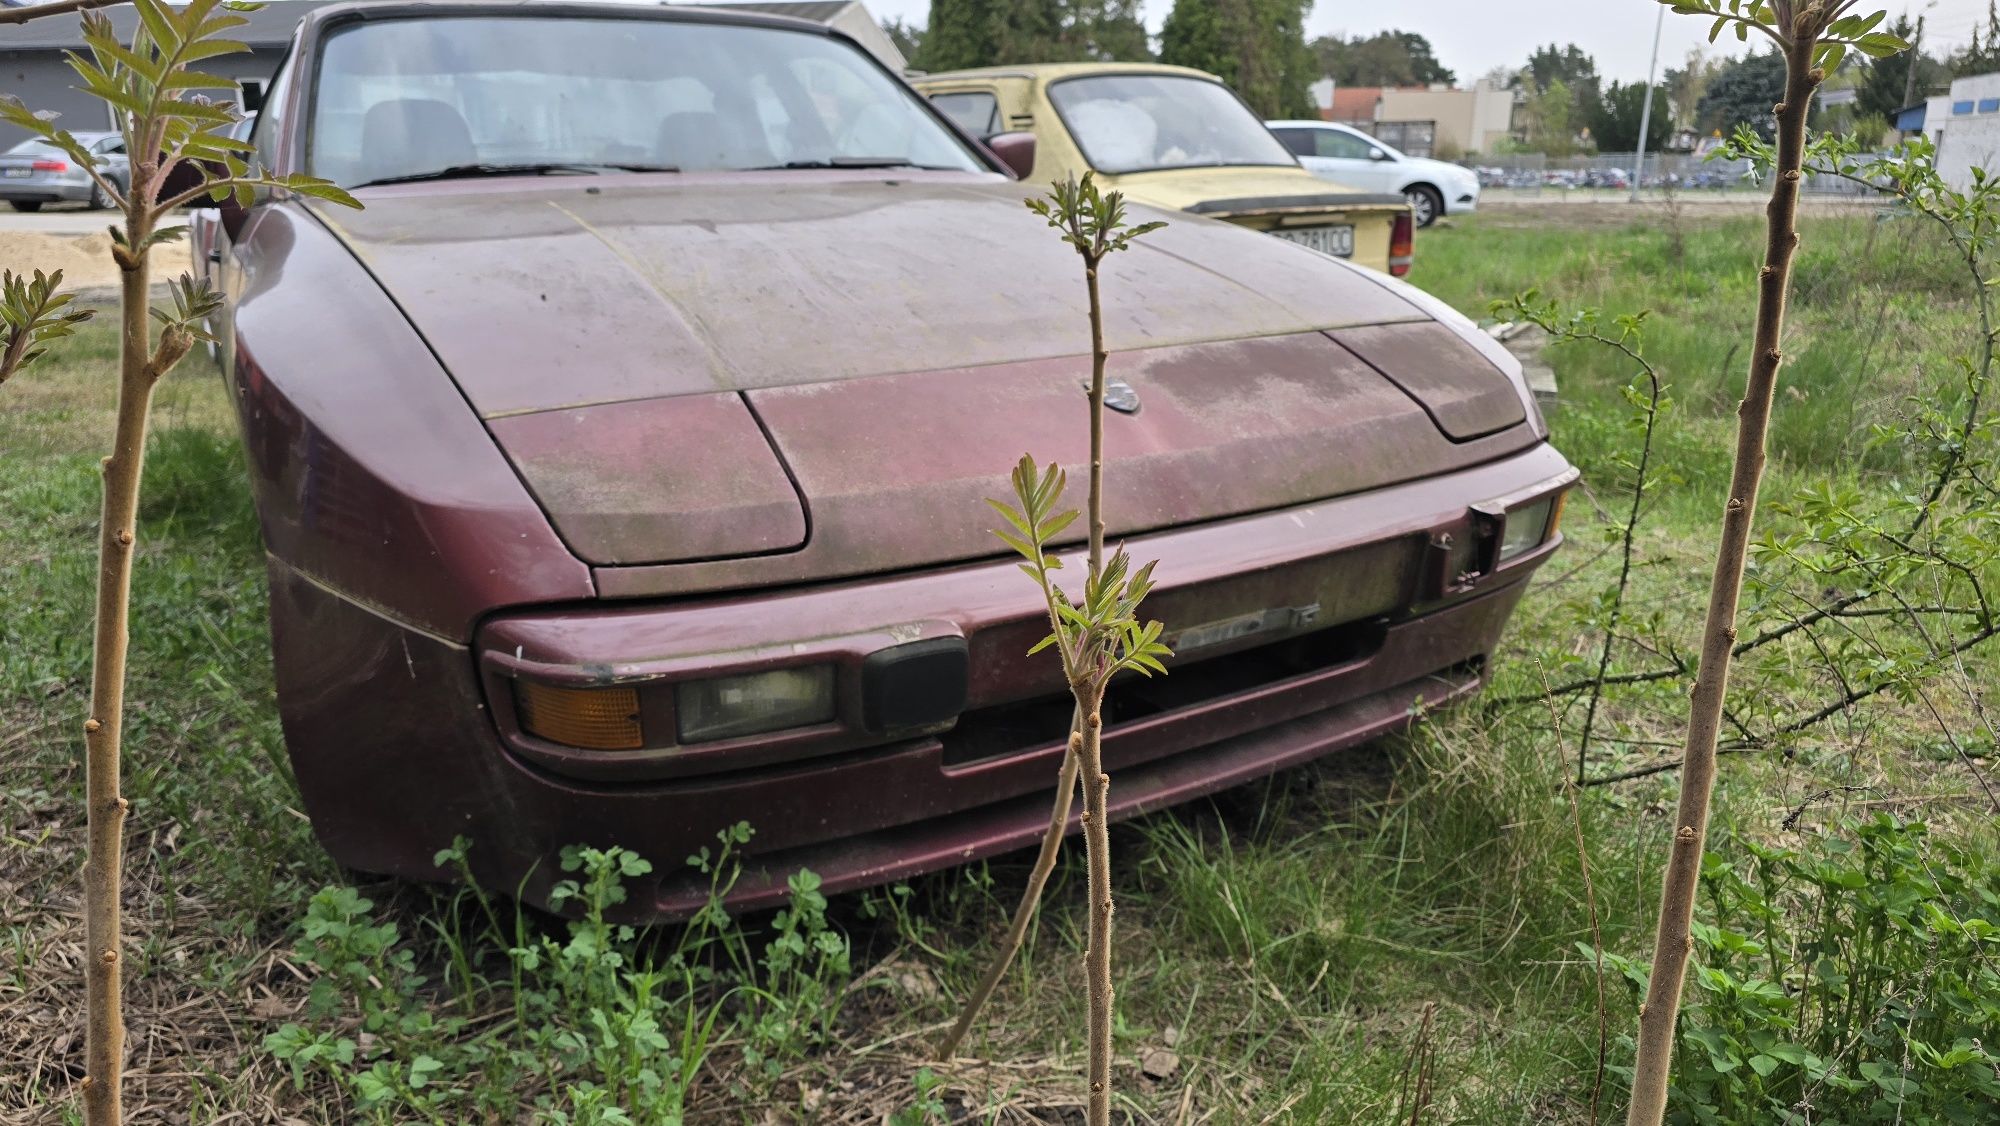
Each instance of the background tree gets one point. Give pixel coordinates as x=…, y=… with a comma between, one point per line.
x=1569, y=65
x=1104, y=30
x=1884, y=89
x=908, y=37
x=1615, y=124
x=1742, y=93
x=1389, y=58
x=1685, y=85
x=1257, y=46
x=1983, y=55
x=1575, y=72
x=968, y=33
x=1550, y=120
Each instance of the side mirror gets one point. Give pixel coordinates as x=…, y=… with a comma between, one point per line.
x=1377, y=154
x=1016, y=151
x=186, y=175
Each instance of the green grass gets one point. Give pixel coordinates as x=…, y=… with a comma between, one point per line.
x=1286, y=940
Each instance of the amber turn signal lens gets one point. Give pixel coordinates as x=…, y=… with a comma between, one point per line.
x=596, y=719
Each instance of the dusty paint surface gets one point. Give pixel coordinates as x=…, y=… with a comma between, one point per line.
x=644, y=286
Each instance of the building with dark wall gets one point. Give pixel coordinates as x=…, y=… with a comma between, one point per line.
x=34, y=69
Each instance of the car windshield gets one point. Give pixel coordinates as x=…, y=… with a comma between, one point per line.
x=415, y=98
x=34, y=148
x=1139, y=122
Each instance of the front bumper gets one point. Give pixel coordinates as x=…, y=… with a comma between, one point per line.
x=1463, y=201
x=403, y=742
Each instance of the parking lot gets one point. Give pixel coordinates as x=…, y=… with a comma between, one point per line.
x=56, y=219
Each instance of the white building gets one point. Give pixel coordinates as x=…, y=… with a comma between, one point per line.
x=1966, y=126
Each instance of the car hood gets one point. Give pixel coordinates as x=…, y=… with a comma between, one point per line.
x=837, y=371
x=1189, y=189
x=581, y=291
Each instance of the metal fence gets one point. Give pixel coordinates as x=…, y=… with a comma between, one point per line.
x=1536, y=173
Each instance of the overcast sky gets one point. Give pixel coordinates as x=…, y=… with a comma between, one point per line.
x=1474, y=36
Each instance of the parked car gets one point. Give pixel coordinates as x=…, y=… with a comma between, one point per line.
x=35, y=172
x=1348, y=156
x=1175, y=138
x=618, y=507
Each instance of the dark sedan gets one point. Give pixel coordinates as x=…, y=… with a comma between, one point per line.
x=620, y=466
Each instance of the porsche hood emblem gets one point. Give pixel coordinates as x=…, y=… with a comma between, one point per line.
x=1118, y=395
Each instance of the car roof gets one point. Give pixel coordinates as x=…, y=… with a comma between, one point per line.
x=1053, y=71
x=83, y=136
x=629, y=9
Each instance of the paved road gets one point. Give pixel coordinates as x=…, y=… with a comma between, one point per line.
x=57, y=219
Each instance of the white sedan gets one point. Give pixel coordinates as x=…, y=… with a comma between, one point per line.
x=1352, y=158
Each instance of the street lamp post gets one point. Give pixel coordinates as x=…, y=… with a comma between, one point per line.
x=1646, y=114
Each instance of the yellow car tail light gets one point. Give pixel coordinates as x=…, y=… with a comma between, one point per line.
x=1403, y=244
x=597, y=719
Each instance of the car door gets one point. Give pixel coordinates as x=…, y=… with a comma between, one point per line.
x=1003, y=105
x=973, y=109
x=1351, y=159
x=111, y=159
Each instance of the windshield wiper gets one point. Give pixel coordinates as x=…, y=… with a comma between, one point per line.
x=542, y=168
x=853, y=162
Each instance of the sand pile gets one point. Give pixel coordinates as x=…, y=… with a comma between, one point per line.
x=85, y=260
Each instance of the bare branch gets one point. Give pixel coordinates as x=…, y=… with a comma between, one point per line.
x=52, y=8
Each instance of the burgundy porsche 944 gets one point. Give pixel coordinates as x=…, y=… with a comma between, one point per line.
x=620, y=465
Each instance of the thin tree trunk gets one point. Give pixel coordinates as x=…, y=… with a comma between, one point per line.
x=1096, y=783
x=1672, y=943
x=1097, y=957
x=1096, y=422
x=104, y=1051
x=1031, y=896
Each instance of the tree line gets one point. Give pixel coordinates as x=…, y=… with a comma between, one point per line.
x=1563, y=105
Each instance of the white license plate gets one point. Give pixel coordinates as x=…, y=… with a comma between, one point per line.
x=1337, y=241
x=22, y=173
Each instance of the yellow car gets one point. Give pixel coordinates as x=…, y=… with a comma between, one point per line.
x=1170, y=137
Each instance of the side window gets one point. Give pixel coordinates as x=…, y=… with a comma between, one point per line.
x=1299, y=141
x=111, y=146
x=975, y=111
x=1341, y=146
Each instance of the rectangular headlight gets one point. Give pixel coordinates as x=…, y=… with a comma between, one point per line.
x=1528, y=527
x=734, y=706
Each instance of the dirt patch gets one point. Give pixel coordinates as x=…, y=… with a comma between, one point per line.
x=85, y=260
